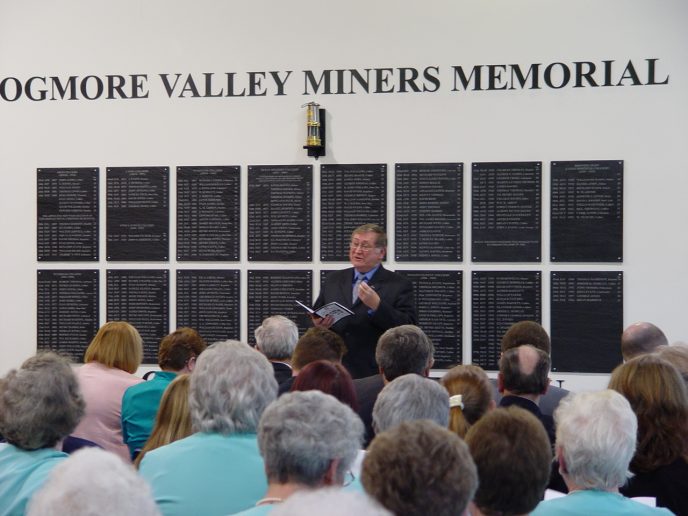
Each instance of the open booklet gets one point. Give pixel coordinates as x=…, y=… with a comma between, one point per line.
x=334, y=309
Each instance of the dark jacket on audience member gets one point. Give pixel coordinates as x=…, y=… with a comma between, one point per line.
x=367, y=390
x=668, y=484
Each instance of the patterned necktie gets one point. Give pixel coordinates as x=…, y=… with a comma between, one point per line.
x=359, y=280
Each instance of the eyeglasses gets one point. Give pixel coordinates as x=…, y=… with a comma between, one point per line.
x=363, y=246
x=349, y=478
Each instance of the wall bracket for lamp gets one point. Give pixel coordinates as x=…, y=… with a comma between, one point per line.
x=315, y=124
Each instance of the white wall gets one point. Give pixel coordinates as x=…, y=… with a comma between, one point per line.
x=646, y=126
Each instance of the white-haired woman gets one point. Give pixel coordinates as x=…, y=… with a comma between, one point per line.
x=40, y=405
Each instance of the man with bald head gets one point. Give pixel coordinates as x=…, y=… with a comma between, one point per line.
x=641, y=338
x=523, y=379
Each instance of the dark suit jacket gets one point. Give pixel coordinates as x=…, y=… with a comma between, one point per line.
x=367, y=390
x=282, y=371
x=361, y=331
x=548, y=402
x=556, y=482
x=531, y=407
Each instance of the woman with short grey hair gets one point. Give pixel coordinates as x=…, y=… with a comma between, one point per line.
x=218, y=469
x=308, y=439
x=410, y=397
x=40, y=405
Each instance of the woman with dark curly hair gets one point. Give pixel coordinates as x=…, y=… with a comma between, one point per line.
x=40, y=405
x=659, y=398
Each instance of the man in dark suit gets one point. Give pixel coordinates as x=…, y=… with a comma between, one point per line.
x=276, y=339
x=523, y=379
x=401, y=350
x=380, y=299
x=530, y=332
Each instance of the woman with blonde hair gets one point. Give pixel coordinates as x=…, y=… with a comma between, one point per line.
x=173, y=421
x=110, y=361
x=470, y=396
x=658, y=396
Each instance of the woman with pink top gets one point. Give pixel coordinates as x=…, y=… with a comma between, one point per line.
x=109, y=363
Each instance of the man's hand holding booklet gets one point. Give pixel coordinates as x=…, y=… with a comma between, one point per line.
x=334, y=309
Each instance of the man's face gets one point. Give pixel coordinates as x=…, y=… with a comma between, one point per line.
x=363, y=254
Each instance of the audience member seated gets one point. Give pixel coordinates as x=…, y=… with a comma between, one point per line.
x=93, y=481
x=677, y=354
x=332, y=501
x=530, y=332
x=276, y=338
x=173, y=421
x=596, y=437
x=470, y=396
x=523, y=379
x=513, y=455
x=308, y=440
x=408, y=398
x=329, y=377
x=419, y=468
x=40, y=404
x=657, y=395
x=401, y=350
x=110, y=362
x=177, y=355
x=217, y=470
x=641, y=338
x=315, y=344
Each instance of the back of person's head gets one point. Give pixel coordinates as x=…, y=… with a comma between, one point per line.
x=329, y=377
x=40, y=403
x=302, y=435
x=408, y=398
x=330, y=501
x=180, y=346
x=117, y=344
x=276, y=337
x=419, y=468
x=641, y=338
x=677, y=354
x=658, y=396
x=526, y=332
x=596, y=436
x=513, y=455
x=230, y=388
x=524, y=370
x=470, y=395
x=404, y=350
x=173, y=420
x=93, y=481
x=317, y=344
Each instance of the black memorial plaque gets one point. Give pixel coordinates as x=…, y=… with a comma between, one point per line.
x=499, y=299
x=350, y=195
x=280, y=213
x=506, y=218
x=67, y=214
x=587, y=211
x=138, y=218
x=428, y=212
x=68, y=311
x=141, y=297
x=586, y=321
x=209, y=302
x=208, y=213
x=438, y=296
x=275, y=293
